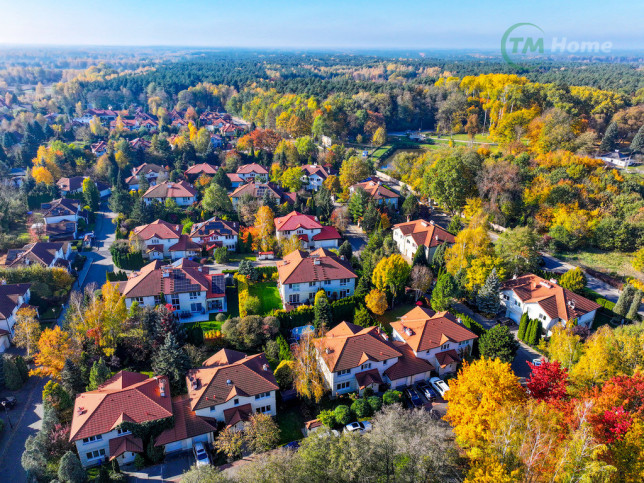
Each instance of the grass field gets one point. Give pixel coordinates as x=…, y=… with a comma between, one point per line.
x=290, y=423
x=618, y=263
x=238, y=257
x=268, y=295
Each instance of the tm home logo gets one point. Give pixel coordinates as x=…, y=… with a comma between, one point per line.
x=522, y=39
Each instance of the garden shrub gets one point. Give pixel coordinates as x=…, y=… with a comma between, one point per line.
x=361, y=408
x=342, y=415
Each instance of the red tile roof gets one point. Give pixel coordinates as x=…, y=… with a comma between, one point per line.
x=425, y=233
x=408, y=364
x=348, y=345
x=146, y=168
x=70, y=184
x=228, y=374
x=555, y=300
x=127, y=396
x=448, y=357
x=168, y=189
x=215, y=227
x=295, y=220
x=238, y=414
x=327, y=233
x=234, y=178
x=301, y=267
x=184, y=243
x=158, y=229
x=252, y=168
x=201, y=168
x=186, y=423
x=423, y=330
x=122, y=444
x=311, y=169
x=366, y=378
x=9, y=295
x=376, y=190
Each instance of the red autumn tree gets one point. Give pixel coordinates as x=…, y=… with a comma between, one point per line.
x=612, y=425
x=548, y=381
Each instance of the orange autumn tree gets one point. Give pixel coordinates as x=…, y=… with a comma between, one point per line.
x=54, y=346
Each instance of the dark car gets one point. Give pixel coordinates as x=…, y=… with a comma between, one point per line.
x=413, y=396
x=8, y=402
x=426, y=391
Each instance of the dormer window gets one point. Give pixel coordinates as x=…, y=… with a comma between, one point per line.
x=366, y=365
x=445, y=346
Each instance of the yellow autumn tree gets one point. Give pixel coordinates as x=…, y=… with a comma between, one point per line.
x=27, y=329
x=54, y=346
x=265, y=224
x=42, y=175
x=308, y=379
x=376, y=301
x=391, y=274
x=476, y=395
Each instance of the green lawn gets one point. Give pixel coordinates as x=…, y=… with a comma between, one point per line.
x=238, y=257
x=618, y=263
x=268, y=295
x=232, y=301
x=393, y=315
x=290, y=423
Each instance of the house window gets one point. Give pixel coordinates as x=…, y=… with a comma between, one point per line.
x=344, y=372
x=542, y=317
x=294, y=286
x=262, y=395
x=263, y=409
x=236, y=401
x=174, y=300
x=157, y=300
x=445, y=346
x=195, y=307
x=91, y=439
x=327, y=282
x=98, y=453
x=194, y=295
x=344, y=281
x=342, y=385
x=122, y=431
x=366, y=365
x=344, y=293
x=294, y=298
x=463, y=342
x=516, y=303
x=311, y=295
x=505, y=297
x=138, y=299
x=311, y=284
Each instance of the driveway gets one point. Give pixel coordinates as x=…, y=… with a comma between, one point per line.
x=26, y=420
x=170, y=470
x=100, y=260
x=357, y=238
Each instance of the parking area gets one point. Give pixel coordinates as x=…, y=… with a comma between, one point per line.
x=435, y=403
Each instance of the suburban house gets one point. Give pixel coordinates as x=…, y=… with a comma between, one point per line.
x=546, y=301
x=62, y=209
x=235, y=180
x=140, y=144
x=253, y=172
x=413, y=234
x=99, y=148
x=438, y=338
x=314, y=176
x=302, y=274
x=308, y=229
x=98, y=415
x=152, y=172
x=231, y=386
x=45, y=254
x=12, y=298
x=184, y=248
x=104, y=115
x=70, y=185
x=190, y=288
x=181, y=192
x=158, y=237
x=195, y=171
x=258, y=190
x=378, y=192
x=216, y=232
x=188, y=428
x=617, y=159
x=354, y=358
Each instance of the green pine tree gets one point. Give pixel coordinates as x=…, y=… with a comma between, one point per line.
x=419, y=256
x=71, y=379
x=362, y=317
x=346, y=251
x=625, y=299
x=523, y=326
x=637, y=145
x=444, y=293
x=438, y=259
x=22, y=368
x=537, y=333
x=610, y=137
x=635, y=306
x=12, y=379
x=531, y=331
x=487, y=299
x=98, y=375
x=172, y=361
x=322, y=310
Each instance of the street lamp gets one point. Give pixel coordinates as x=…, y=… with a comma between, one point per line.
x=6, y=410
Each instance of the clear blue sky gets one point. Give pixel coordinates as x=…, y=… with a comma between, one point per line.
x=320, y=24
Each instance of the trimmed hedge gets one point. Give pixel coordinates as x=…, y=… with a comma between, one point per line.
x=242, y=292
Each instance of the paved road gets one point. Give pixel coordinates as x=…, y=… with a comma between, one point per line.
x=357, y=238
x=26, y=421
x=100, y=258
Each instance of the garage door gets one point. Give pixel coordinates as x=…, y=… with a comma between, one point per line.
x=419, y=377
x=203, y=438
x=172, y=447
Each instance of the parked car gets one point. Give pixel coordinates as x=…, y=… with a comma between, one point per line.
x=440, y=385
x=201, y=455
x=426, y=391
x=361, y=427
x=413, y=397
x=8, y=402
x=537, y=362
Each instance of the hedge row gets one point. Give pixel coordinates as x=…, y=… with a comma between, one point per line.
x=242, y=293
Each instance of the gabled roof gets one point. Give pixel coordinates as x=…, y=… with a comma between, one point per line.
x=425, y=233
x=237, y=414
x=555, y=300
x=9, y=295
x=311, y=169
x=127, y=396
x=300, y=267
x=158, y=229
x=257, y=190
x=184, y=243
x=252, y=168
x=295, y=220
x=60, y=207
x=70, y=184
x=327, y=233
x=348, y=345
x=186, y=423
x=229, y=374
x=122, y=444
x=146, y=168
x=201, y=168
x=179, y=277
x=214, y=226
x=235, y=178
x=408, y=364
x=42, y=253
x=376, y=190
x=423, y=330
x=168, y=189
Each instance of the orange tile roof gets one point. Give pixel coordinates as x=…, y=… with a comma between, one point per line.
x=424, y=330
x=348, y=345
x=158, y=229
x=408, y=364
x=252, y=168
x=300, y=267
x=376, y=190
x=555, y=300
x=127, y=396
x=425, y=233
x=186, y=423
x=168, y=189
x=237, y=414
x=226, y=375
x=201, y=168
x=122, y=444
x=295, y=220
x=368, y=377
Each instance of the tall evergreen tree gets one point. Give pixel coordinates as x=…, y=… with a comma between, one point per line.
x=22, y=368
x=346, y=250
x=172, y=361
x=610, y=137
x=625, y=299
x=12, y=379
x=168, y=323
x=419, y=256
x=635, y=306
x=370, y=218
x=487, y=299
x=523, y=326
x=323, y=204
x=438, y=259
x=322, y=310
x=637, y=145
x=98, y=374
x=71, y=379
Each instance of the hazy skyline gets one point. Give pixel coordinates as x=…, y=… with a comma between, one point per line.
x=329, y=24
